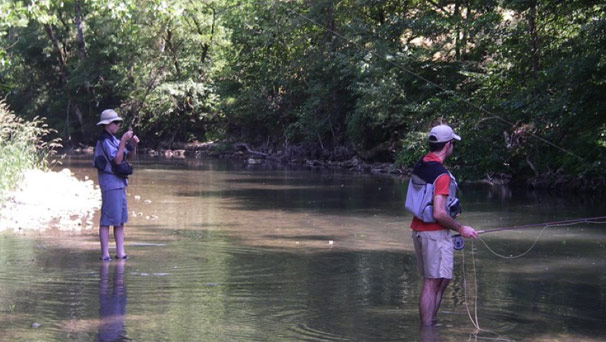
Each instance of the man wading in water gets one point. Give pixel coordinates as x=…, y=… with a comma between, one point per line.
x=431, y=198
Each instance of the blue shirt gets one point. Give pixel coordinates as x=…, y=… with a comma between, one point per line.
x=107, y=148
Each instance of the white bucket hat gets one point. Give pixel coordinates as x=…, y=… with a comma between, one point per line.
x=108, y=116
x=442, y=133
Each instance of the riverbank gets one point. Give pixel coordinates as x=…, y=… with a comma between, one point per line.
x=50, y=200
x=345, y=159
x=340, y=158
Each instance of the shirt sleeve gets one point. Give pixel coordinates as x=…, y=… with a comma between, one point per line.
x=442, y=185
x=110, y=149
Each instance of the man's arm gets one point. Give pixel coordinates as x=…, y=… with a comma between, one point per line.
x=440, y=214
x=133, y=152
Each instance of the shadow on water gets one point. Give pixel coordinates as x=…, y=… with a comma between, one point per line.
x=295, y=199
x=324, y=194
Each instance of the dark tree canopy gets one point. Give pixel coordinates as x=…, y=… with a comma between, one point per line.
x=521, y=80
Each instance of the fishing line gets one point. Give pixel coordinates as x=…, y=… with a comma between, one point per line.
x=459, y=243
x=592, y=220
x=474, y=319
x=412, y=73
x=513, y=256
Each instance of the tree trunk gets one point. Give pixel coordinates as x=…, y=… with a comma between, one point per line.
x=458, y=19
x=63, y=71
x=466, y=31
x=173, y=50
x=534, y=38
x=60, y=56
x=79, y=30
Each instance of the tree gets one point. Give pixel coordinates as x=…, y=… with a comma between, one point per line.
x=520, y=79
x=150, y=59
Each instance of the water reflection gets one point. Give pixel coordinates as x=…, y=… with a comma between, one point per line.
x=224, y=253
x=430, y=333
x=112, y=302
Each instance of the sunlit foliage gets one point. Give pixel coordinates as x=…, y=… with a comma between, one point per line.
x=522, y=81
x=21, y=147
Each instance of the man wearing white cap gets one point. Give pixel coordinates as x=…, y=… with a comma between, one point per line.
x=109, y=150
x=431, y=198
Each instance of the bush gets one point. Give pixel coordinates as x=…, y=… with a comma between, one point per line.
x=414, y=147
x=21, y=147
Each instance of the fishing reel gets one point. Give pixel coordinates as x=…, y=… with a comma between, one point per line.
x=457, y=242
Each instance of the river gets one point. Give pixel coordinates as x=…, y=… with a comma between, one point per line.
x=224, y=251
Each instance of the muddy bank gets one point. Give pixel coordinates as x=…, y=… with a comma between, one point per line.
x=50, y=200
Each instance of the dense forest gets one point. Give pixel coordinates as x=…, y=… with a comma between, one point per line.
x=522, y=81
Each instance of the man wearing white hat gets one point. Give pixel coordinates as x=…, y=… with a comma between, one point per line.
x=109, y=150
x=431, y=198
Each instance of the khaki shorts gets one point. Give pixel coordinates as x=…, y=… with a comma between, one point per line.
x=434, y=253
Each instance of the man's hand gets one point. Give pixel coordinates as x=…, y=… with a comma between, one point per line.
x=127, y=136
x=135, y=139
x=468, y=232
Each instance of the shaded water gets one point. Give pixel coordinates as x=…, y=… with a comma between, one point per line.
x=222, y=252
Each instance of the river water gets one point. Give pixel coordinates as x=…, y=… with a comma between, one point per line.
x=223, y=251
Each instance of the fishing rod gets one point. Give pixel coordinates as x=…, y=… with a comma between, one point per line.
x=597, y=220
x=459, y=243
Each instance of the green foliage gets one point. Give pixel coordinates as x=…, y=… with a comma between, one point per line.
x=522, y=81
x=414, y=146
x=153, y=59
x=181, y=109
x=549, y=92
x=21, y=147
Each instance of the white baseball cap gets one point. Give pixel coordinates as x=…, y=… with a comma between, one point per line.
x=442, y=133
x=108, y=116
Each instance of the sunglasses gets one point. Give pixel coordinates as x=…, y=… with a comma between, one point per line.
x=117, y=122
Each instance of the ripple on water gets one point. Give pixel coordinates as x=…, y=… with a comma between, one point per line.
x=304, y=332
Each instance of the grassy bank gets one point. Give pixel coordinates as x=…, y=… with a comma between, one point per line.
x=21, y=148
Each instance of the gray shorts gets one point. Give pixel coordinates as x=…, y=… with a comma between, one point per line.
x=434, y=252
x=113, y=207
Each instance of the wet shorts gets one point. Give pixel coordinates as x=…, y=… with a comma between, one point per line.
x=113, y=207
x=434, y=253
